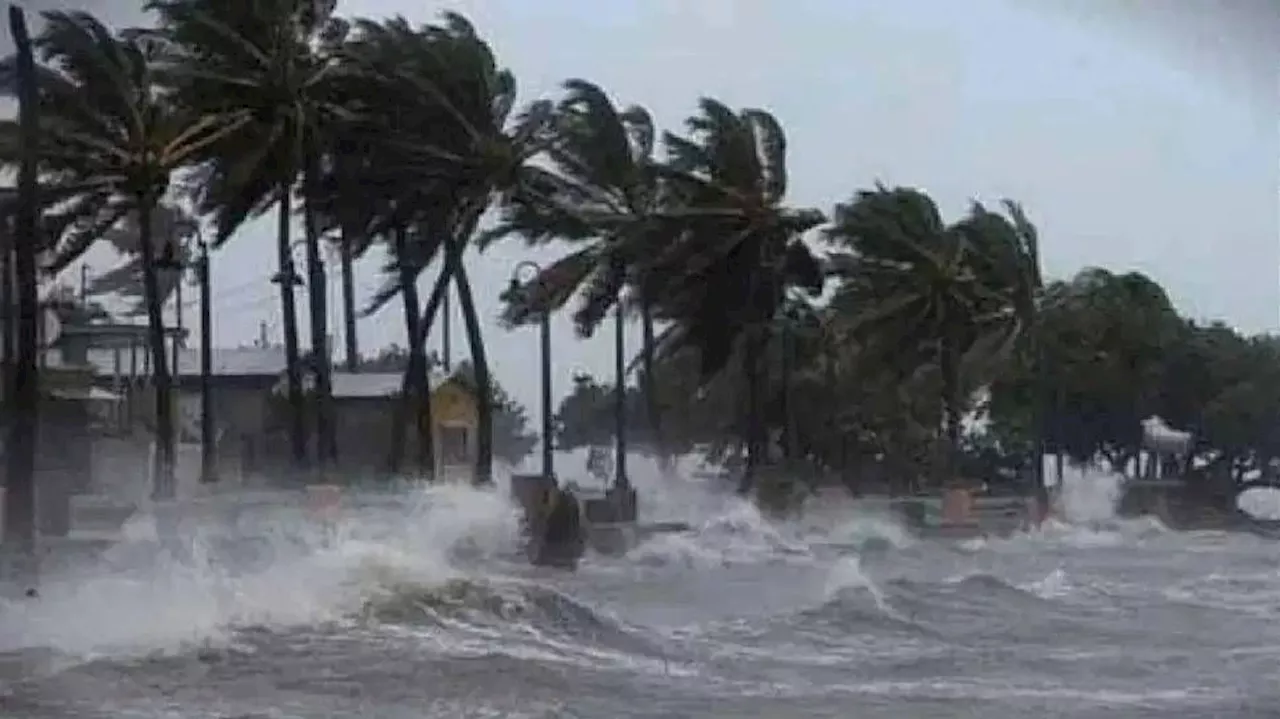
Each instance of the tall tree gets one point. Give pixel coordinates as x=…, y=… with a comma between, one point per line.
x=739, y=248
x=600, y=193
x=271, y=60
x=1107, y=344
x=932, y=296
x=458, y=141
x=111, y=140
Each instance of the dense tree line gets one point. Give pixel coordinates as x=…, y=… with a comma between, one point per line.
x=1112, y=351
x=381, y=133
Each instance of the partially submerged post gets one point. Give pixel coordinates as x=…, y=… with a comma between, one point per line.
x=552, y=521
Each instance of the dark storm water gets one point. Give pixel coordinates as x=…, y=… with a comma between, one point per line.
x=419, y=612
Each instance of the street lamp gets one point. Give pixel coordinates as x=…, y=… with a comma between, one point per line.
x=522, y=276
x=174, y=257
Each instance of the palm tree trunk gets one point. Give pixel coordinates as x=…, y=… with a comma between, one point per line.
x=349, y=305
x=321, y=361
x=425, y=321
x=23, y=388
x=479, y=361
x=948, y=368
x=1042, y=414
x=791, y=439
x=163, y=468
x=287, y=279
x=417, y=389
x=649, y=359
x=755, y=410
x=421, y=391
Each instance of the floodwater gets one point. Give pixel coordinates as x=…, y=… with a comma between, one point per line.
x=417, y=608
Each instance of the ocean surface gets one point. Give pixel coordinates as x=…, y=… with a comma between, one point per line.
x=416, y=606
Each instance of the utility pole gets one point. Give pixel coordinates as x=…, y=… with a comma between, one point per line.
x=84, y=284
x=208, y=437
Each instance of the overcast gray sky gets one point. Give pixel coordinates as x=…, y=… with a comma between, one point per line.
x=1144, y=137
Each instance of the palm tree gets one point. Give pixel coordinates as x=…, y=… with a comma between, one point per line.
x=738, y=247
x=1007, y=254
x=600, y=194
x=346, y=222
x=942, y=297
x=452, y=138
x=363, y=196
x=110, y=142
x=271, y=60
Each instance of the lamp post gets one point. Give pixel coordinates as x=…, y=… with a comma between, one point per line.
x=530, y=271
x=288, y=280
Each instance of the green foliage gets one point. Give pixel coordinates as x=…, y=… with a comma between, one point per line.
x=1116, y=352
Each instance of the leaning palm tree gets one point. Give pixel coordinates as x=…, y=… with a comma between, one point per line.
x=110, y=141
x=456, y=143
x=1006, y=254
x=362, y=197
x=271, y=60
x=600, y=192
x=936, y=297
x=738, y=248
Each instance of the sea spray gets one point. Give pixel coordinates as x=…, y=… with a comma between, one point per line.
x=157, y=603
x=1088, y=495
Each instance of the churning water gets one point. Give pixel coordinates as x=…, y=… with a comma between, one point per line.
x=419, y=608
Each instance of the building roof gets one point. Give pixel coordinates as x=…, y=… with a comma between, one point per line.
x=361, y=385
x=261, y=362
x=374, y=384
x=227, y=362
x=114, y=334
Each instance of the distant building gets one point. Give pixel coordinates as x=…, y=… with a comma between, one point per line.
x=241, y=381
x=364, y=408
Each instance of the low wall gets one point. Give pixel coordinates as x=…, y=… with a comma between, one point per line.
x=962, y=514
